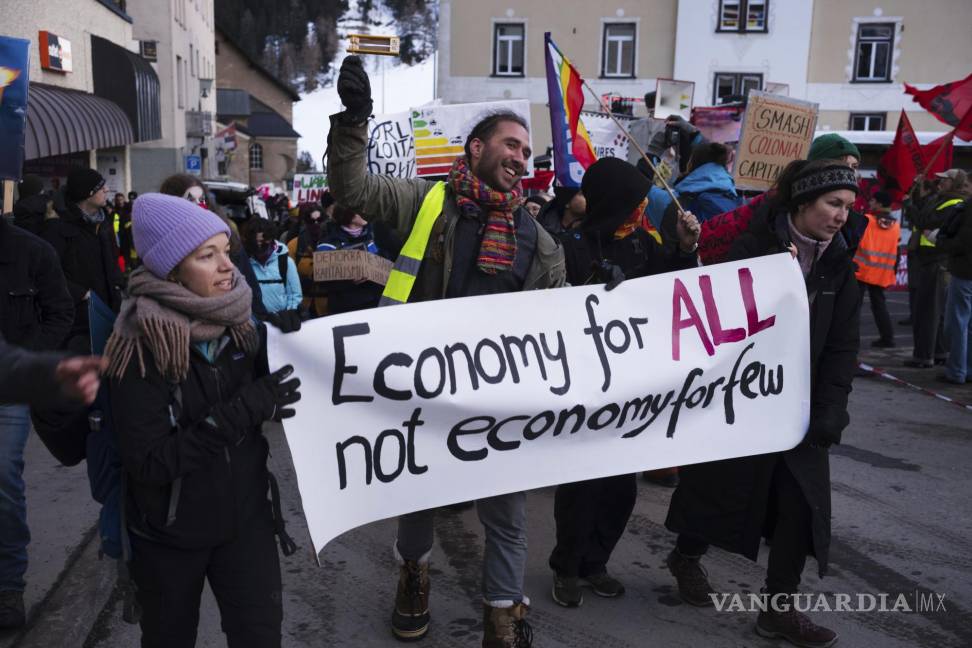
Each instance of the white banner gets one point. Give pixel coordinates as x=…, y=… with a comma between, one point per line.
x=308, y=187
x=440, y=132
x=391, y=147
x=674, y=98
x=412, y=407
x=606, y=138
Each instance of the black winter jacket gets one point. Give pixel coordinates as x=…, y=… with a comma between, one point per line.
x=36, y=310
x=728, y=502
x=186, y=487
x=955, y=239
x=89, y=259
x=29, y=213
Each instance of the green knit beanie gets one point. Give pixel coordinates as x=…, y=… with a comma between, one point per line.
x=832, y=147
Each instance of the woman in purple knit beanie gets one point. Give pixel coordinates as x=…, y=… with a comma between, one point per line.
x=189, y=393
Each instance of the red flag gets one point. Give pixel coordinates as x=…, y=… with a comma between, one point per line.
x=951, y=103
x=938, y=161
x=902, y=161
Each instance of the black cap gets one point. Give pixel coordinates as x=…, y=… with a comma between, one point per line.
x=83, y=183
x=613, y=189
x=30, y=185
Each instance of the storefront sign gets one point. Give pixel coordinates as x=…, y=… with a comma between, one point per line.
x=14, y=70
x=776, y=130
x=55, y=53
x=427, y=404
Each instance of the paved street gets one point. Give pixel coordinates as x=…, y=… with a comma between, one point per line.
x=901, y=523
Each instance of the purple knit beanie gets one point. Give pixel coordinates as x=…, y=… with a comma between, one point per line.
x=166, y=229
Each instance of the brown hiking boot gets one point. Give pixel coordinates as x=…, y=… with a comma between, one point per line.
x=795, y=627
x=693, y=582
x=506, y=627
x=410, y=619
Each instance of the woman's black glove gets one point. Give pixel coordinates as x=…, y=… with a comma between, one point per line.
x=265, y=399
x=354, y=89
x=609, y=274
x=287, y=321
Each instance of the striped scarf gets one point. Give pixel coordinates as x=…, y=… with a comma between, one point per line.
x=498, y=247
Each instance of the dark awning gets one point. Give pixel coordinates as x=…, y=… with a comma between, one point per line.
x=63, y=121
x=127, y=79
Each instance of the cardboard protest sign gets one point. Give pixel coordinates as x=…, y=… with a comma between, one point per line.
x=308, y=187
x=391, y=146
x=423, y=405
x=606, y=138
x=440, y=132
x=674, y=98
x=340, y=265
x=776, y=130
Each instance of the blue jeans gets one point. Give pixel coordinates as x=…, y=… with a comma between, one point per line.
x=958, y=329
x=14, y=534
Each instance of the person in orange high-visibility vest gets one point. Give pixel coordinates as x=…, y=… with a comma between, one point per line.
x=877, y=261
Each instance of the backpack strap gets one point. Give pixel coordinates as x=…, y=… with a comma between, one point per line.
x=281, y=270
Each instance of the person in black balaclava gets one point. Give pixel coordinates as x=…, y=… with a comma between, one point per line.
x=609, y=246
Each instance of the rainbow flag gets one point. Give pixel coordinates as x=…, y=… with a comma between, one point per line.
x=573, y=151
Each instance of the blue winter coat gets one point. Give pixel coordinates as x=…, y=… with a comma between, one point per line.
x=712, y=193
x=279, y=293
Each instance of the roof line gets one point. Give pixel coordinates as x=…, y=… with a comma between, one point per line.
x=257, y=65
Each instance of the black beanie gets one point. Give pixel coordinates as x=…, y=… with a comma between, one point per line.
x=30, y=185
x=613, y=189
x=83, y=183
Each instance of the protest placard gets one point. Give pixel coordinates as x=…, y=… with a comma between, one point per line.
x=427, y=404
x=340, y=265
x=606, y=138
x=776, y=130
x=440, y=132
x=308, y=187
x=674, y=98
x=391, y=146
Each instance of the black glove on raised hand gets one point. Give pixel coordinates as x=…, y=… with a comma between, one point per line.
x=609, y=274
x=287, y=321
x=263, y=400
x=354, y=89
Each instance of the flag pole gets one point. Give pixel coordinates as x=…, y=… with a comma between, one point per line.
x=623, y=130
x=634, y=142
x=941, y=148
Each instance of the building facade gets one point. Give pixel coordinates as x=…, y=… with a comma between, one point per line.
x=92, y=98
x=179, y=36
x=849, y=56
x=261, y=107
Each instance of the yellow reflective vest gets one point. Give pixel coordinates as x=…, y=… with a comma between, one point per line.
x=406, y=267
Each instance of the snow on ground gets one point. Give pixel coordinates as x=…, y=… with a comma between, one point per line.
x=394, y=87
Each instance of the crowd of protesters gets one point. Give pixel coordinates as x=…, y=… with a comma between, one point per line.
x=187, y=294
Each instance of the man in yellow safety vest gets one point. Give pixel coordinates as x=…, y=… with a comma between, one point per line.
x=926, y=264
x=467, y=236
x=876, y=260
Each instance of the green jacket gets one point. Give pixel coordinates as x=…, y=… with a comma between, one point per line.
x=396, y=201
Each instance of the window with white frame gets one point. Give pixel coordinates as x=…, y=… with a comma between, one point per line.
x=872, y=58
x=508, y=49
x=618, y=51
x=743, y=16
x=868, y=121
x=256, y=156
x=734, y=84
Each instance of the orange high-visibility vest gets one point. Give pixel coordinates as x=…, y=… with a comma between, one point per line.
x=877, y=253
